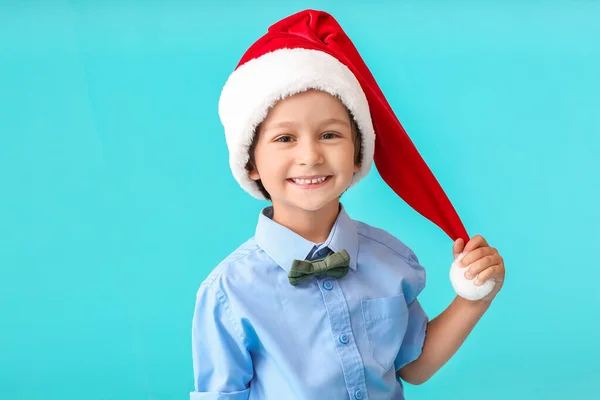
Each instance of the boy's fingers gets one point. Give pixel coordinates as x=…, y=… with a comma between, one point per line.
x=475, y=242
x=458, y=247
x=480, y=265
x=477, y=254
x=487, y=274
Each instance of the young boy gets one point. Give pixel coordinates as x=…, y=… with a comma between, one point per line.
x=317, y=305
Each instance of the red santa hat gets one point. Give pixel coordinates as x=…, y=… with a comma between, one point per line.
x=309, y=50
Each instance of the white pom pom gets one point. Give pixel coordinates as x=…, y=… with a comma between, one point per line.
x=466, y=288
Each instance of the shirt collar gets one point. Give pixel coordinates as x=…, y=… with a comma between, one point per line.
x=284, y=246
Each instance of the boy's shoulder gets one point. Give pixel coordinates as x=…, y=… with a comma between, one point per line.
x=231, y=264
x=379, y=236
x=398, y=262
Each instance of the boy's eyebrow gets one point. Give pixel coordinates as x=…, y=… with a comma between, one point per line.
x=279, y=125
x=334, y=121
x=325, y=122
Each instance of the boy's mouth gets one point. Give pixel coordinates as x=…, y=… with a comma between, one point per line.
x=310, y=182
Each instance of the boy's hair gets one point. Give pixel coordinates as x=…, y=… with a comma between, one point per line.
x=251, y=165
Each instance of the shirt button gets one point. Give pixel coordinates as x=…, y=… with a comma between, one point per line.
x=344, y=338
x=328, y=285
x=358, y=394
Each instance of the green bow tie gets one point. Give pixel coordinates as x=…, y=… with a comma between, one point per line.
x=335, y=264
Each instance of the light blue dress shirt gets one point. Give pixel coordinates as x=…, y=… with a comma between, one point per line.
x=255, y=336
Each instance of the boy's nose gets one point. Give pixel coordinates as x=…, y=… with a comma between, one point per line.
x=309, y=153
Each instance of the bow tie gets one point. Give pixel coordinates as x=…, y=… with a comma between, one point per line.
x=335, y=264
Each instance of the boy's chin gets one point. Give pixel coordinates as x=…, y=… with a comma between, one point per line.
x=316, y=204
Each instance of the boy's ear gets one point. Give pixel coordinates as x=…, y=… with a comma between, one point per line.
x=254, y=175
x=356, y=167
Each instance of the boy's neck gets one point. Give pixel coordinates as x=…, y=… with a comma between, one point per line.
x=311, y=225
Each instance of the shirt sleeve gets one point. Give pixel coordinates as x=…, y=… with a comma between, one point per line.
x=414, y=337
x=222, y=363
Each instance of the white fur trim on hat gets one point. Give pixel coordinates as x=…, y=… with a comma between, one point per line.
x=254, y=87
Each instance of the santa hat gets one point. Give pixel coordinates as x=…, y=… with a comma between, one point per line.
x=309, y=50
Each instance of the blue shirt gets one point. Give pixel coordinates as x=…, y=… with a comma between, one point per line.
x=255, y=336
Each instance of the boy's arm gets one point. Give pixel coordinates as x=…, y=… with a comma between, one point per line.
x=222, y=363
x=445, y=334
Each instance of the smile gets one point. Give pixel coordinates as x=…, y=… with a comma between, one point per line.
x=310, y=182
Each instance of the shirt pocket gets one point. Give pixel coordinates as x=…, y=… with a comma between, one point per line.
x=385, y=320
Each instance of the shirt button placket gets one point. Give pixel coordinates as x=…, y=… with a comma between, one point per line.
x=339, y=318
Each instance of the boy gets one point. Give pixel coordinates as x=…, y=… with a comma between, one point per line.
x=316, y=305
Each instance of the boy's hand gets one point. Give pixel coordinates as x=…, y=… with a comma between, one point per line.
x=483, y=262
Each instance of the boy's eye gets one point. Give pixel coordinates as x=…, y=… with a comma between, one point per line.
x=329, y=135
x=284, y=139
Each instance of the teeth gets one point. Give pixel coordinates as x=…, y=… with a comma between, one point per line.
x=309, y=181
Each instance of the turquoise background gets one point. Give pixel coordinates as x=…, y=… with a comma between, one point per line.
x=117, y=199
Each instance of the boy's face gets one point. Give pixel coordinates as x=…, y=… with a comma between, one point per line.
x=304, y=155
